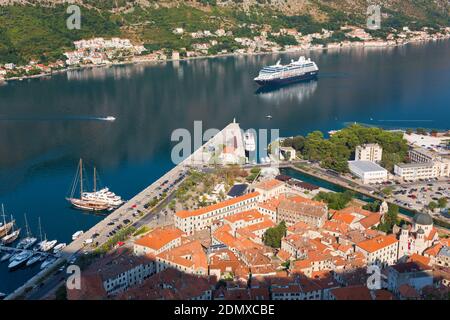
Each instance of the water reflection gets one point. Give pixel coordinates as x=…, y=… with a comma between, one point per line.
x=293, y=92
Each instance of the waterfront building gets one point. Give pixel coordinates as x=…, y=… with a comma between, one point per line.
x=157, y=241
x=418, y=237
x=426, y=170
x=203, y=218
x=368, y=171
x=421, y=155
x=369, y=152
x=381, y=250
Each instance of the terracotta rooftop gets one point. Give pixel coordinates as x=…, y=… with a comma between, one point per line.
x=377, y=243
x=246, y=216
x=220, y=205
x=159, y=237
x=269, y=184
x=190, y=255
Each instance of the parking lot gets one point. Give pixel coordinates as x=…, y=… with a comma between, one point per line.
x=418, y=195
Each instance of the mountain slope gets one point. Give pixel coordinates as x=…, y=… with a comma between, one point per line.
x=35, y=29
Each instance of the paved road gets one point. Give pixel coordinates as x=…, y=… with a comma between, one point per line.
x=129, y=210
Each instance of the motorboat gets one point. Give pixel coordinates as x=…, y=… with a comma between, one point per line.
x=49, y=261
x=29, y=241
x=59, y=247
x=26, y=243
x=5, y=257
x=48, y=245
x=20, y=259
x=76, y=235
x=37, y=257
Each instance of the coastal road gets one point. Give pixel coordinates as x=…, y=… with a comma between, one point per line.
x=168, y=182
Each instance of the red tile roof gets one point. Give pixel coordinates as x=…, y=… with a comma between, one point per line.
x=159, y=237
x=220, y=205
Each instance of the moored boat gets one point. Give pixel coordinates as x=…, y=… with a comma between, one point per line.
x=37, y=257
x=48, y=262
x=20, y=259
x=10, y=238
x=48, y=245
x=5, y=257
x=59, y=247
x=101, y=200
x=77, y=234
x=29, y=241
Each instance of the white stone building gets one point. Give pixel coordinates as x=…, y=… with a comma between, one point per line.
x=368, y=171
x=369, y=152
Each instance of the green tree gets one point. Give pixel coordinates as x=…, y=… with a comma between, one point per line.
x=442, y=202
x=433, y=205
x=390, y=219
x=335, y=200
x=272, y=237
x=372, y=206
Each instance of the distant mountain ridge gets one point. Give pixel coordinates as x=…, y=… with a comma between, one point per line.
x=36, y=29
x=419, y=9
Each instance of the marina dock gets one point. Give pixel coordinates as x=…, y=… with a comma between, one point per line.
x=200, y=157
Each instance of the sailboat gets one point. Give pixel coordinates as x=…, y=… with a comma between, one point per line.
x=5, y=227
x=44, y=245
x=10, y=237
x=29, y=240
x=100, y=200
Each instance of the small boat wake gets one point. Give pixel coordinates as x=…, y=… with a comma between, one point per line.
x=57, y=118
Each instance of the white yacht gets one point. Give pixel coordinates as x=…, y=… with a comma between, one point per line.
x=59, y=247
x=19, y=259
x=29, y=241
x=76, y=235
x=95, y=200
x=47, y=245
x=34, y=259
x=48, y=262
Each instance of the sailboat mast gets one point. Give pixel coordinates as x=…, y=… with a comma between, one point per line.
x=95, y=179
x=40, y=228
x=12, y=228
x=3, y=214
x=27, y=227
x=81, y=177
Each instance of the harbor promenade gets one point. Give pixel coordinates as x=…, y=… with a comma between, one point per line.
x=198, y=159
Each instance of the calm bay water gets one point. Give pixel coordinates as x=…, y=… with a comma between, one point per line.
x=46, y=125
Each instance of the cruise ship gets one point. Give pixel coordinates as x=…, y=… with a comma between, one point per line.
x=278, y=74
